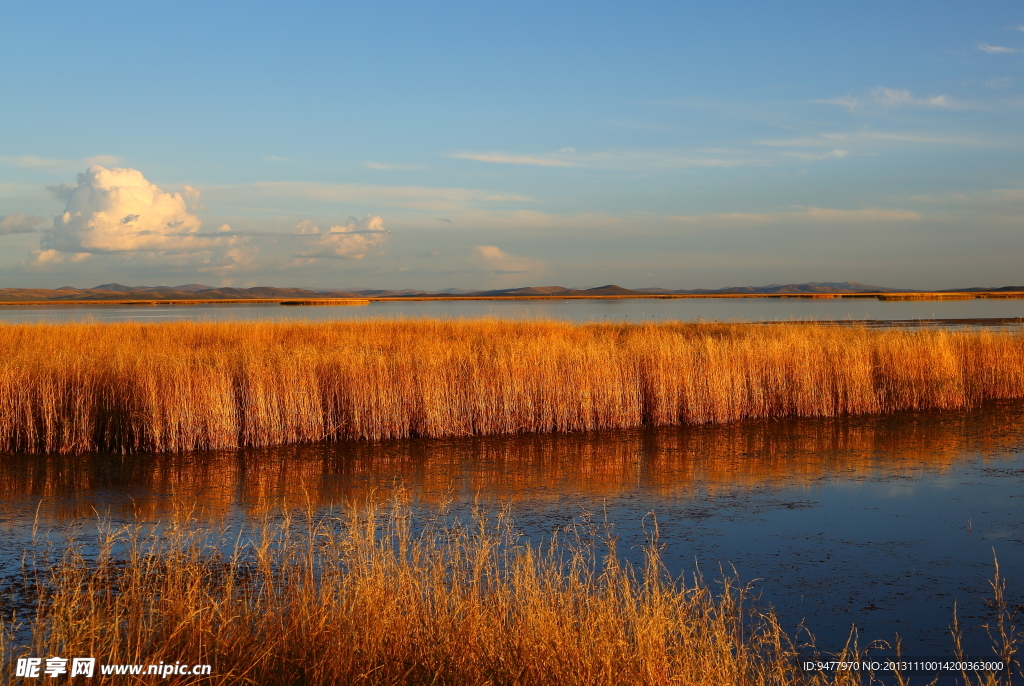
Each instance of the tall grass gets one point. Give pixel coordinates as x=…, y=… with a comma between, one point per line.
x=375, y=596
x=184, y=386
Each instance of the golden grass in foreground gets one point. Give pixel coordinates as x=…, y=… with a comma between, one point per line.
x=377, y=596
x=185, y=386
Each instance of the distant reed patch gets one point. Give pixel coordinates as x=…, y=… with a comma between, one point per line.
x=184, y=386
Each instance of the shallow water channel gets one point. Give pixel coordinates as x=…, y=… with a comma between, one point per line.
x=983, y=312
x=876, y=522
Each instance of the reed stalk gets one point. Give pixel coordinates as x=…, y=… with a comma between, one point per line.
x=73, y=388
x=378, y=596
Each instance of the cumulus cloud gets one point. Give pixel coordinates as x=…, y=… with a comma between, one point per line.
x=117, y=218
x=19, y=222
x=500, y=262
x=118, y=210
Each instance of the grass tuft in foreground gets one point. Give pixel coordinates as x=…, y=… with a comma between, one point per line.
x=381, y=597
x=193, y=386
x=378, y=595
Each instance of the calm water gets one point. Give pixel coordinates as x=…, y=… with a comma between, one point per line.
x=880, y=523
x=739, y=309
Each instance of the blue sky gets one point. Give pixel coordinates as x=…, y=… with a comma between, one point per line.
x=673, y=144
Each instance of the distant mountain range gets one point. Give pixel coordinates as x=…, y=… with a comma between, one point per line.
x=198, y=291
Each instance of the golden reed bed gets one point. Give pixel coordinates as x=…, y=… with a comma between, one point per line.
x=377, y=595
x=185, y=386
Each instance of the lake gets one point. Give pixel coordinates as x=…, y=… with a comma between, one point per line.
x=634, y=310
x=881, y=523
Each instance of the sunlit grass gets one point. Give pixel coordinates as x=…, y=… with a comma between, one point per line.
x=184, y=386
x=377, y=595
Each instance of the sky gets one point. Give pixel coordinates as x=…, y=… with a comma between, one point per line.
x=492, y=145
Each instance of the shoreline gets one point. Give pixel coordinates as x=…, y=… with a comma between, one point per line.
x=980, y=295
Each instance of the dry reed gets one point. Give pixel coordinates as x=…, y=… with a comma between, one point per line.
x=380, y=597
x=184, y=386
x=376, y=595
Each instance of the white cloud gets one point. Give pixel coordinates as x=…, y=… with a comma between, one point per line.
x=118, y=210
x=997, y=49
x=116, y=219
x=351, y=240
x=19, y=222
x=498, y=261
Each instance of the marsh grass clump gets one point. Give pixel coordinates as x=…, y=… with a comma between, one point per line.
x=181, y=386
x=376, y=594
x=380, y=596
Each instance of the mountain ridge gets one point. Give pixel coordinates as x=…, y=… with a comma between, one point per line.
x=197, y=291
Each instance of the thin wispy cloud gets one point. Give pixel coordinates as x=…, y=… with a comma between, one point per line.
x=872, y=138
x=804, y=214
x=883, y=98
x=808, y=156
x=433, y=199
x=999, y=82
x=392, y=167
x=628, y=160
x=502, y=158
x=997, y=49
x=896, y=97
x=57, y=166
x=849, y=102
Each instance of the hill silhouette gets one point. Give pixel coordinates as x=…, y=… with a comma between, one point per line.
x=198, y=291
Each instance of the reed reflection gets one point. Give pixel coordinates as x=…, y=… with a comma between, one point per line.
x=669, y=462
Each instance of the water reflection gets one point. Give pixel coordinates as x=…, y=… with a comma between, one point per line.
x=879, y=522
x=665, y=463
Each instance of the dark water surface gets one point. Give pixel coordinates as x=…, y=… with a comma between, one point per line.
x=685, y=309
x=878, y=522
